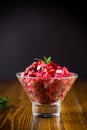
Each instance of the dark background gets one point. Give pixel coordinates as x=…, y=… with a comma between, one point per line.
x=30, y=29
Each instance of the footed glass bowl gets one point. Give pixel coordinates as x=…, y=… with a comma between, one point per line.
x=46, y=94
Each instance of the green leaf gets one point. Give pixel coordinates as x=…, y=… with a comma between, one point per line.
x=37, y=59
x=46, y=60
x=3, y=102
x=49, y=60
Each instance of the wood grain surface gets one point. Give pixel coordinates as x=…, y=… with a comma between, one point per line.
x=18, y=115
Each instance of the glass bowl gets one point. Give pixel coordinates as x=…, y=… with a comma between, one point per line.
x=46, y=94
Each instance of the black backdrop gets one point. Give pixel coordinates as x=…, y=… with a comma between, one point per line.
x=29, y=30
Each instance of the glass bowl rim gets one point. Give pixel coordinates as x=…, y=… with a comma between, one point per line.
x=74, y=75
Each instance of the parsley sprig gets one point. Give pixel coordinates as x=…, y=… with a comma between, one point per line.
x=3, y=102
x=46, y=60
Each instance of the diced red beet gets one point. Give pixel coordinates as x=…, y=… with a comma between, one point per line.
x=43, y=84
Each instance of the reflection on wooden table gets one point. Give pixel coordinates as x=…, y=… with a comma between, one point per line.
x=37, y=123
x=17, y=115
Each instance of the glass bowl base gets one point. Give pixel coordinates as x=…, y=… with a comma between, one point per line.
x=46, y=110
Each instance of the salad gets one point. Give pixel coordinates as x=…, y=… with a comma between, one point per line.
x=46, y=82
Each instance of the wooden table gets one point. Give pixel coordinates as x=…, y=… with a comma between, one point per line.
x=17, y=115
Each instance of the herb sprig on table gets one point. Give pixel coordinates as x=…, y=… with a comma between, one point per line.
x=3, y=102
x=46, y=60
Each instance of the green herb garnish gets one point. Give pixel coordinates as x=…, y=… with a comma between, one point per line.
x=46, y=60
x=3, y=102
x=37, y=59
